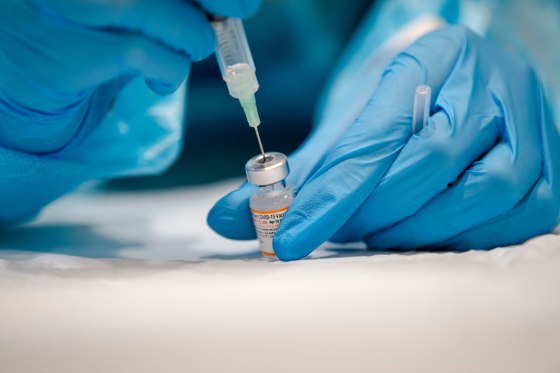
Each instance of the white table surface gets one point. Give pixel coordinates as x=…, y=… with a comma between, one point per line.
x=113, y=282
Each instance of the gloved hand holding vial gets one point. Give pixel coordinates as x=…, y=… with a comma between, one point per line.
x=483, y=172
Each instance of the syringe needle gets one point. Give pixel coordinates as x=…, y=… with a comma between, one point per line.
x=260, y=143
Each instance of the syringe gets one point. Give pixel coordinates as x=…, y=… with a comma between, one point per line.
x=237, y=67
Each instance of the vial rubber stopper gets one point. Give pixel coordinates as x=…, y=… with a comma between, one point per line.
x=272, y=169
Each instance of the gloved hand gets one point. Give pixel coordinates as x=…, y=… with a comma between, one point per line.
x=483, y=173
x=57, y=54
x=62, y=65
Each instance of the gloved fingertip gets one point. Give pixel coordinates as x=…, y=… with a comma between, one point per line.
x=249, y=7
x=161, y=88
x=295, y=238
x=303, y=228
x=287, y=249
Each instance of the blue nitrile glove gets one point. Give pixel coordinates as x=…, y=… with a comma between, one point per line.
x=483, y=173
x=63, y=65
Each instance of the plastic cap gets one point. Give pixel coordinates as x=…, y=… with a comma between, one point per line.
x=272, y=170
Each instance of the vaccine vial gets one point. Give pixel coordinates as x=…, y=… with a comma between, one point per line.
x=271, y=200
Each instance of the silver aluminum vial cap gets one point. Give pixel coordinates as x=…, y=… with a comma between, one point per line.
x=272, y=170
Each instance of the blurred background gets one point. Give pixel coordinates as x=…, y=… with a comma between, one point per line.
x=295, y=44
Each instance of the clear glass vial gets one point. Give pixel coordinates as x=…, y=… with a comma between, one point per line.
x=271, y=200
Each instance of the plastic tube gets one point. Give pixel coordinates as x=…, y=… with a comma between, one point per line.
x=421, y=109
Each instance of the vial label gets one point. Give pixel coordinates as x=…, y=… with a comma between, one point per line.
x=266, y=224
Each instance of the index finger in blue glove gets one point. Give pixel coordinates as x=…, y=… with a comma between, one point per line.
x=360, y=158
x=235, y=8
x=178, y=24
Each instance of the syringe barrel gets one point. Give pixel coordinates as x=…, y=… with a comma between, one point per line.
x=234, y=57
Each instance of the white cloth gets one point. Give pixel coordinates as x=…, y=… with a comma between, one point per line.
x=108, y=298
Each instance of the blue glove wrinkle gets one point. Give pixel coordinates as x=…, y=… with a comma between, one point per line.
x=99, y=105
x=44, y=132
